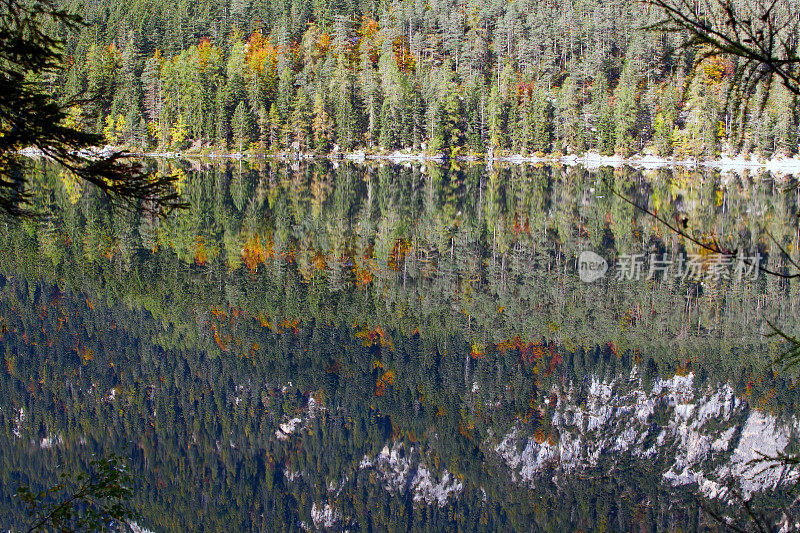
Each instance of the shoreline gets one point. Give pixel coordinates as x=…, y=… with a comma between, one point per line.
x=589, y=160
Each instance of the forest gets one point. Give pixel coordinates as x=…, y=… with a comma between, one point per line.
x=446, y=78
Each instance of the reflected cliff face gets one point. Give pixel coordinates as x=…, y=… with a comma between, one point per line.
x=363, y=346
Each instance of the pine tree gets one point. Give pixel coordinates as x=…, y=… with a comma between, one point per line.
x=128, y=95
x=626, y=111
x=346, y=119
x=263, y=129
x=221, y=118
x=525, y=137
x=664, y=122
x=572, y=134
x=542, y=120
x=300, y=121
x=453, y=118
x=370, y=87
x=151, y=82
x=241, y=128
x=603, y=111
x=785, y=106
x=275, y=127
x=436, y=127
x=387, y=137
x=322, y=126
x=101, y=66
x=496, y=130
x=285, y=98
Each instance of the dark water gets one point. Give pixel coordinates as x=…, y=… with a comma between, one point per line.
x=405, y=347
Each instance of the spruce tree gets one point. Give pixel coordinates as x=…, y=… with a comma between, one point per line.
x=240, y=126
x=322, y=126
x=495, y=119
x=603, y=139
x=626, y=110
x=300, y=121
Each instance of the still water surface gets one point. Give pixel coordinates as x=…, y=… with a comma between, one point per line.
x=393, y=347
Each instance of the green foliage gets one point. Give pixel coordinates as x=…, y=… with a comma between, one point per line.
x=758, y=43
x=93, y=501
x=242, y=131
x=31, y=118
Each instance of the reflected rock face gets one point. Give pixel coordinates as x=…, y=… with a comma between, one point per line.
x=706, y=438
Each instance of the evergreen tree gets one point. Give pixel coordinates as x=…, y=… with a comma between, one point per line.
x=571, y=133
x=241, y=127
x=626, y=111
x=495, y=113
x=521, y=81
x=151, y=84
x=665, y=120
x=347, y=123
x=301, y=123
x=275, y=127
x=33, y=118
x=322, y=126
x=603, y=139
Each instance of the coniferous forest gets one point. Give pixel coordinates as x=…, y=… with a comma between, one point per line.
x=445, y=78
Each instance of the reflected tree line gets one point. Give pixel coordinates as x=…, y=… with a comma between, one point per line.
x=442, y=249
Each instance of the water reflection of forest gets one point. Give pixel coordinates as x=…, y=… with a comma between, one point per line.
x=491, y=253
x=406, y=301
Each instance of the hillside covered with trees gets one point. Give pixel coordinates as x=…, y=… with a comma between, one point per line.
x=447, y=77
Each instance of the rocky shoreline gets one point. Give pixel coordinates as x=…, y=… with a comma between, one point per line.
x=591, y=160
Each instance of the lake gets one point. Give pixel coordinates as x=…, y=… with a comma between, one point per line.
x=325, y=345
